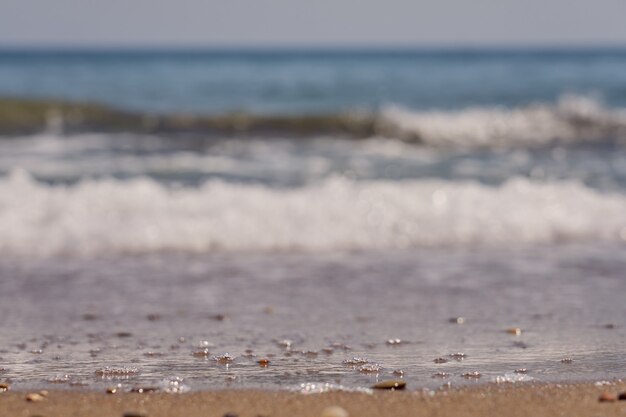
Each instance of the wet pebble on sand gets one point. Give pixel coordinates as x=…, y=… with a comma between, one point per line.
x=224, y=359
x=393, y=384
x=34, y=397
x=606, y=397
x=458, y=356
x=334, y=411
x=4, y=387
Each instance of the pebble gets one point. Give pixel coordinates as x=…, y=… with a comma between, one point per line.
x=392, y=384
x=264, y=362
x=622, y=396
x=153, y=317
x=457, y=320
x=514, y=331
x=355, y=361
x=440, y=360
x=34, y=397
x=231, y=415
x=111, y=390
x=224, y=359
x=202, y=353
x=144, y=390
x=458, y=356
x=4, y=387
x=606, y=397
x=567, y=360
x=334, y=411
x=134, y=414
x=370, y=368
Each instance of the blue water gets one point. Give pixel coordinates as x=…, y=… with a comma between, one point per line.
x=313, y=81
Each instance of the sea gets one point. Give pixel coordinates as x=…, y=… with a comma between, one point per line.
x=480, y=237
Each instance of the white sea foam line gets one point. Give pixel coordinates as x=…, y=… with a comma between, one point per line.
x=141, y=215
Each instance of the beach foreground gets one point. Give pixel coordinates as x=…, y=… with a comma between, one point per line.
x=487, y=400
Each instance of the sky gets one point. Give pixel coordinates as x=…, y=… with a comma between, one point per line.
x=270, y=23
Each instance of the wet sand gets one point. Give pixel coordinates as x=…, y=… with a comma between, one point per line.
x=487, y=400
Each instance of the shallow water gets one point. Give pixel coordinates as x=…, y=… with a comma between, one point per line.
x=151, y=313
x=122, y=255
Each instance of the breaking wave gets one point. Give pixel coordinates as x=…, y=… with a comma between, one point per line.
x=96, y=217
x=572, y=119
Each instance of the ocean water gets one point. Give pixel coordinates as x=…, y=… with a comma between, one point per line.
x=124, y=256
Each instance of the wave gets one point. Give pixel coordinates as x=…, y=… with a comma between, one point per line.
x=141, y=216
x=571, y=119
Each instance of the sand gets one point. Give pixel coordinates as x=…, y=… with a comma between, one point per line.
x=486, y=400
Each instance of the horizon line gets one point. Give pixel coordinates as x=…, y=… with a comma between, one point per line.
x=397, y=47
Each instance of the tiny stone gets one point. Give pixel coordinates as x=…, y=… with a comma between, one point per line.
x=153, y=317
x=144, y=390
x=440, y=360
x=231, y=415
x=334, y=411
x=123, y=334
x=224, y=359
x=4, y=387
x=606, y=397
x=567, y=360
x=622, y=396
x=457, y=320
x=390, y=385
x=34, y=397
x=399, y=372
x=514, y=331
x=111, y=390
x=202, y=353
x=263, y=362
x=134, y=414
x=458, y=356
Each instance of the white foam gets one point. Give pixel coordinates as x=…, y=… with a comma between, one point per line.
x=141, y=215
x=573, y=118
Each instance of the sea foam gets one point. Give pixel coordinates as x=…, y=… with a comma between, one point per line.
x=571, y=119
x=111, y=216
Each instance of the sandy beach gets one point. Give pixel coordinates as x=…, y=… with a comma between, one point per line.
x=487, y=400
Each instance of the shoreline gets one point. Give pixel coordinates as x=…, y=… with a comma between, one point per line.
x=536, y=399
